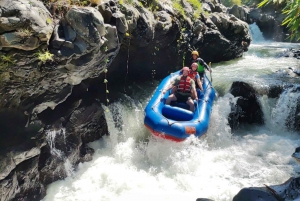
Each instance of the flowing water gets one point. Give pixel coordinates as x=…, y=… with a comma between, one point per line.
x=130, y=164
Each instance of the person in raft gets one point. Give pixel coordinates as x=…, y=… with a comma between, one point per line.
x=195, y=76
x=201, y=64
x=185, y=89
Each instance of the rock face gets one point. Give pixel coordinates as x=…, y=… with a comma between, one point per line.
x=52, y=62
x=160, y=42
x=247, y=108
x=268, y=18
x=24, y=24
x=285, y=191
x=47, y=114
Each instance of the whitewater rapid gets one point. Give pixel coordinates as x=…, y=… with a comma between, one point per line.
x=130, y=164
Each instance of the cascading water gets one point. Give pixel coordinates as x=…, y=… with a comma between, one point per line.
x=130, y=164
x=257, y=35
x=285, y=111
x=50, y=136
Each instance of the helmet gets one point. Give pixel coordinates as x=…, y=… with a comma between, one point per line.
x=195, y=52
x=185, y=68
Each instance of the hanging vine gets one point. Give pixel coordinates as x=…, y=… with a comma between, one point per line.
x=129, y=38
x=106, y=90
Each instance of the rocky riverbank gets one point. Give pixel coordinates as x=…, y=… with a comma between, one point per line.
x=56, y=57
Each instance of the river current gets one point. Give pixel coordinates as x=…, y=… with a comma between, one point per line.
x=130, y=164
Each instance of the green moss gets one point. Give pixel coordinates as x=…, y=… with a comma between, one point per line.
x=44, y=56
x=125, y=1
x=48, y=20
x=178, y=7
x=24, y=32
x=197, y=8
x=6, y=60
x=195, y=3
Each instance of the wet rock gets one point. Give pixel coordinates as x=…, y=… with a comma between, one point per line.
x=241, y=12
x=254, y=194
x=296, y=154
x=53, y=105
x=24, y=24
x=165, y=29
x=247, y=108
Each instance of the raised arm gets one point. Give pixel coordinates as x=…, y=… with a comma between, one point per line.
x=202, y=62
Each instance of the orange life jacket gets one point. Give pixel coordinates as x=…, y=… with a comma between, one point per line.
x=184, y=84
x=192, y=74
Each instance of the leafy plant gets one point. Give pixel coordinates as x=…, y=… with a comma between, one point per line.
x=292, y=12
x=197, y=8
x=195, y=3
x=125, y=1
x=24, y=32
x=104, y=48
x=177, y=6
x=48, y=20
x=230, y=3
x=6, y=60
x=44, y=56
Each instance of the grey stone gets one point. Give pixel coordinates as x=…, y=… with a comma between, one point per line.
x=80, y=44
x=70, y=34
x=36, y=19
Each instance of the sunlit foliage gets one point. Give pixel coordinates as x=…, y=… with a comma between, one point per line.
x=292, y=12
x=230, y=3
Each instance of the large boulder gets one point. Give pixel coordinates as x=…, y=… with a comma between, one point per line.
x=247, y=108
x=226, y=38
x=240, y=12
x=24, y=24
x=47, y=113
x=286, y=191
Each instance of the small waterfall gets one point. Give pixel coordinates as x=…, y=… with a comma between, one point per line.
x=283, y=115
x=257, y=35
x=50, y=137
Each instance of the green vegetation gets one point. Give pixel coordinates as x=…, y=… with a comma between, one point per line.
x=48, y=20
x=177, y=4
x=61, y=6
x=105, y=82
x=24, y=32
x=195, y=3
x=292, y=12
x=104, y=48
x=44, y=56
x=229, y=3
x=96, y=2
x=197, y=7
x=6, y=60
x=126, y=1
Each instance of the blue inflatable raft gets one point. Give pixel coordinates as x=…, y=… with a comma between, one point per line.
x=175, y=122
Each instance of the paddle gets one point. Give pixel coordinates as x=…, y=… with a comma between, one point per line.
x=210, y=72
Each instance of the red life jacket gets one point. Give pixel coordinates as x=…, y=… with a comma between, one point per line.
x=184, y=84
x=192, y=74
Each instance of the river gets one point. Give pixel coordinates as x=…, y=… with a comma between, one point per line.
x=130, y=164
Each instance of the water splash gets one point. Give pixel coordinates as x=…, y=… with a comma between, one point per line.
x=283, y=115
x=50, y=137
x=256, y=34
x=130, y=164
